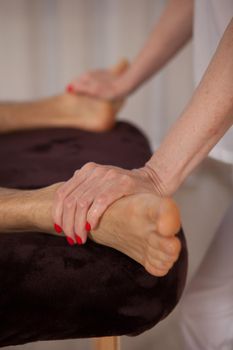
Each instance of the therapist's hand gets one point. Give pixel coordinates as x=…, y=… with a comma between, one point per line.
x=92, y=189
x=107, y=84
x=100, y=83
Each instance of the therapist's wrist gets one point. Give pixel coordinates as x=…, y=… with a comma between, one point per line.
x=164, y=186
x=126, y=84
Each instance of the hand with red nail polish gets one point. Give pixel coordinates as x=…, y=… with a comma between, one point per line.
x=107, y=84
x=71, y=214
x=81, y=201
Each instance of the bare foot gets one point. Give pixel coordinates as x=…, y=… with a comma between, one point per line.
x=141, y=226
x=90, y=113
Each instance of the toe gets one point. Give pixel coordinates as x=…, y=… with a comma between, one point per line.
x=168, y=223
x=171, y=246
x=158, y=262
x=166, y=259
x=154, y=270
x=164, y=248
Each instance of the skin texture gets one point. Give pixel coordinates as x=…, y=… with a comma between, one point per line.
x=204, y=121
x=141, y=226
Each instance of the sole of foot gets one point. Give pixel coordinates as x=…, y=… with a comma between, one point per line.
x=142, y=226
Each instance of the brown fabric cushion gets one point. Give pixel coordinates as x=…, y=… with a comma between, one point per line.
x=50, y=290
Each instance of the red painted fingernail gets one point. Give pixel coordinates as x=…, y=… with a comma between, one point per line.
x=70, y=240
x=88, y=226
x=57, y=228
x=78, y=239
x=70, y=88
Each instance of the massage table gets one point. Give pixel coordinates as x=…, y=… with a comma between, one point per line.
x=51, y=291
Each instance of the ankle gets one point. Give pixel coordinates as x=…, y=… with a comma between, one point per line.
x=14, y=210
x=41, y=208
x=40, y=211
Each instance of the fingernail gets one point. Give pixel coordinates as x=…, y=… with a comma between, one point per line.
x=57, y=228
x=78, y=239
x=88, y=226
x=70, y=240
x=70, y=88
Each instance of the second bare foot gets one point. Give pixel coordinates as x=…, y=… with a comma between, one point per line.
x=91, y=113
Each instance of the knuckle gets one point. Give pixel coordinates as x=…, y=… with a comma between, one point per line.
x=127, y=180
x=83, y=203
x=76, y=173
x=69, y=202
x=60, y=194
x=101, y=200
x=99, y=171
x=111, y=173
x=89, y=166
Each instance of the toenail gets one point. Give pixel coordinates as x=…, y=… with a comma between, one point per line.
x=78, y=239
x=88, y=226
x=57, y=228
x=70, y=240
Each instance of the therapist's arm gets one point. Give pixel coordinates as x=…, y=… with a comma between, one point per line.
x=204, y=121
x=171, y=32
x=202, y=124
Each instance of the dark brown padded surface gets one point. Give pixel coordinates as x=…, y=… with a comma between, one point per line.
x=50, y=290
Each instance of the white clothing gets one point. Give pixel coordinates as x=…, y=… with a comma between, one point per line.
x=211, y=18
x=207, y=308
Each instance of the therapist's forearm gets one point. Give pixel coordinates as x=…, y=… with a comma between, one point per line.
x=171, y=33
x=202, y=124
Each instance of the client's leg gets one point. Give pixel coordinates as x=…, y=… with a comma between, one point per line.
x=67, y=110
x=130, y=225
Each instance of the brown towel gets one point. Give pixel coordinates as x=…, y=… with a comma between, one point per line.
x=50, y=290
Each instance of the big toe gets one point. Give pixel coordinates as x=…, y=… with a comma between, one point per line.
x=168, y=222
x=160, y=260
